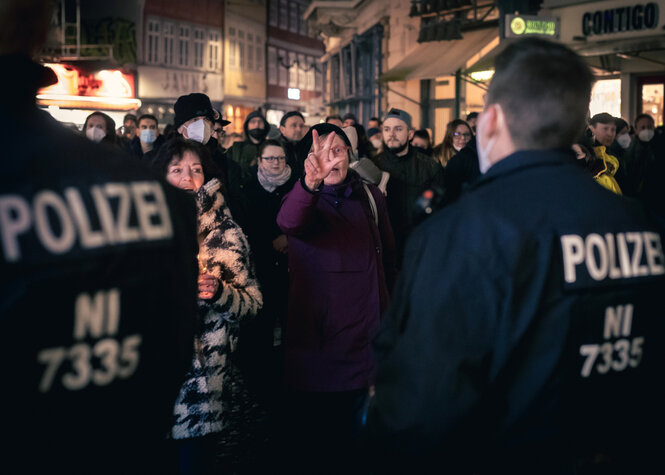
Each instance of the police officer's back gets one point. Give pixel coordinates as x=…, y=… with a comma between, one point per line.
x=97, y=288
x=524, y=336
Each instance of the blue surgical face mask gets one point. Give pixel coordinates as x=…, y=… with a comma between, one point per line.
x=148, y=136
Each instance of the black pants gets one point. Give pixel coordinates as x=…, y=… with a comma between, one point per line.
x=321, y=432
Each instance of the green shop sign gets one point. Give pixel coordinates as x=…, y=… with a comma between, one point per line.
x=529, y=25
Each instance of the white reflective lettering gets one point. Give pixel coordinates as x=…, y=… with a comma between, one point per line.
x=87, y=236
x=618, y=321
x=14, y=220
x=45, y=200
x=124, y=231
x=146, y=210
x=654, y=252
x=597, y=269
x=104, y=213
x=624, y=258
x=636, y=239
x=573, y=254
x=615, y=272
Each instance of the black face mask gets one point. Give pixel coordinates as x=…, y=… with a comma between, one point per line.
x=257, y=134
x=424, y=151
x=396, y=150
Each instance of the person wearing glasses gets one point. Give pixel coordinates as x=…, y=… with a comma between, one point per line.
x=342, y=266
x=458, y=134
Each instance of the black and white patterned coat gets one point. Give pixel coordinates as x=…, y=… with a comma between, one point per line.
x=203, y=401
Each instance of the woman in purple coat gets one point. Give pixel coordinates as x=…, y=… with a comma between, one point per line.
x=342, y=267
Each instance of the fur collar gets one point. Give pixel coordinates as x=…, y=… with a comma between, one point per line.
x=211, y=206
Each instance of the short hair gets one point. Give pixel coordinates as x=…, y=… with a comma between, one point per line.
x=423, y=134
x=270, y=143
x=147, y=116
x=603, y=118
x=542, y=106
x=376, y=119
x=131, y=117
x=471, y=115
x=643, y=116
x=334, y=117
x=175, y=148
x=288, y=115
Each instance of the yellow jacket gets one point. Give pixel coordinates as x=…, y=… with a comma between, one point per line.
x=606, y=176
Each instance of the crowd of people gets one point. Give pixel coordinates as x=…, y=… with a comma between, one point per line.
x=334, y=298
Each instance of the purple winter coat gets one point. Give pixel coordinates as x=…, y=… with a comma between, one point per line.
x=342, y=267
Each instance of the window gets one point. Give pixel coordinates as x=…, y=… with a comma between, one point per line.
x=311, y=64
x=199, y=40
x=259, y=53
x=169, y=33
x=214, y=47
x=250, y=52
x=152, y=56
x=233, y=49
x=319, y=75
x=293, y=71
x=283, y=14
x=293, y=13
x=302, y=74
x=183, y=46
x=282, y=59
x=241, y=50
x=301, y=21
x=272, y=65
x=273, y=13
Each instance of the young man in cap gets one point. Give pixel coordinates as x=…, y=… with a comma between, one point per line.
x=524, y=336
x=411, y=172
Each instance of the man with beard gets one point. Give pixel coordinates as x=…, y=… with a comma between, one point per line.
x=292, y=129
x=411, y=172
x=244, y=153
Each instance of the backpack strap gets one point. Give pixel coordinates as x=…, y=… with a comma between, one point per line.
x=372, y=203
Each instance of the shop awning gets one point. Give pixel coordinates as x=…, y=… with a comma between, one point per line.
x=440, y=58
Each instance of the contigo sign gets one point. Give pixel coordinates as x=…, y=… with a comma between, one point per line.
x=615, y=20
x=529, y=25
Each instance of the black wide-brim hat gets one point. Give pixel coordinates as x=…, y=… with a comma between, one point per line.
x=193, y=105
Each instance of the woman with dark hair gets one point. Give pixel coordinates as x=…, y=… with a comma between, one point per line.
x=99, y=127
x=341, y=267
x=228, y=293
x=458, y=134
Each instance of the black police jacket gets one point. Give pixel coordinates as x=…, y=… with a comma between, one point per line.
x=97, y=291
x=524, y=335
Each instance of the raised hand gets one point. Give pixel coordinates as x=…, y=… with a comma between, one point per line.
x=320, y=161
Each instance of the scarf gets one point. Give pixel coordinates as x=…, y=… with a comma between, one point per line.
x=271, y=182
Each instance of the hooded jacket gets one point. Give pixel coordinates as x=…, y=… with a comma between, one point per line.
x=244, y=153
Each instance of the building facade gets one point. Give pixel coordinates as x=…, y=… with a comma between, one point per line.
x=295, y=74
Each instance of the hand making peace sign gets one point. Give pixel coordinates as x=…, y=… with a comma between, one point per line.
x=321, y=160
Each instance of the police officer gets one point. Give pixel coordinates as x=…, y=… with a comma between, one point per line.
x=97, y=285
x=524, y=336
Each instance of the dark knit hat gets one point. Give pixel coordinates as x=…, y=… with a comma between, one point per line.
x=372, y=132
x=193, y=105
x=305, y=144
x=288, y=115
x=350, y=116
x=399, y=114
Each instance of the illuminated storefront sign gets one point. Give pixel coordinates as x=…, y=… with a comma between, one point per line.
x=107, y=89
x=614, y=20
x=530, y=25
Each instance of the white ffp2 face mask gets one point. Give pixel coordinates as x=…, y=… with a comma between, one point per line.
x=95, y=134
x=199, y=131
x=624, y=140
x=646, y=135
x=148, y=136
